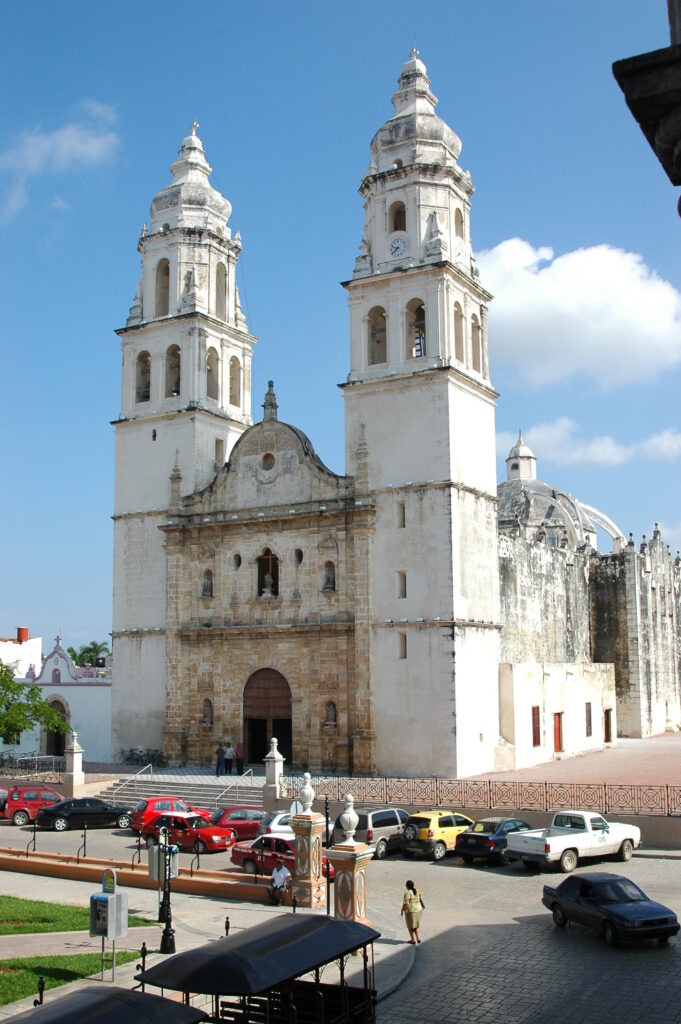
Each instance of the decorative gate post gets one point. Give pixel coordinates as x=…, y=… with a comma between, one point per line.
x=73, y=777
x=309, y=883
x=350, y=860
x=274, y=766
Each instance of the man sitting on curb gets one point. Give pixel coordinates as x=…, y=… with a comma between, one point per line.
x=281, y=881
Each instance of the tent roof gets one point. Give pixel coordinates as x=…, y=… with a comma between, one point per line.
x=102, y=1004
x=262, y=957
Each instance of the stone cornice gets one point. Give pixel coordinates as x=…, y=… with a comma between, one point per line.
x=227, y=519
x=453, y=269
x=396, y=380
x=264, y=629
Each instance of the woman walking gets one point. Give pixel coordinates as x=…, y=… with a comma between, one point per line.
x=412, y=908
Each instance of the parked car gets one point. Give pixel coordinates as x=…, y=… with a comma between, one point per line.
x=486, y=839
x=275, y=821
x=244, y=821
x=380, y=827
x=191, y=832
x=84, y=811
x=610, y=904
x=4, y=793
x=258, y=856
x=571, y=835
x=433, y=832
x=152, y=805
x=24, y=802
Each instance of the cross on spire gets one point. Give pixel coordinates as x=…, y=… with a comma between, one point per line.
x=413, y=53
x=193, y=126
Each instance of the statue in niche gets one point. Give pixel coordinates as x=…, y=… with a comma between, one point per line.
x=267, y=589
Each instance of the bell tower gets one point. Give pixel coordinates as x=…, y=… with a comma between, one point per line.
x=419, y=396
x=185, y=401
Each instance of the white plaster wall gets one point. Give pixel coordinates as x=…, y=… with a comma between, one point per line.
x=20, y=657
x=138, y=693
x=89, y=704
x=477, y=701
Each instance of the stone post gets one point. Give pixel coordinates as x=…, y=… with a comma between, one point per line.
x=309, y=883
x=74, y=778
x=350, y=860
x=274, y=766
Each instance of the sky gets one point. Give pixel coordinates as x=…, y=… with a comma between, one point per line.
x=573, y=223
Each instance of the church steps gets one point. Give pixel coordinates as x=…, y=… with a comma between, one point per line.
x=204, y=794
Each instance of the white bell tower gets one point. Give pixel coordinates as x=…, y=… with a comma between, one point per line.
x=185, y=401
x=419, y=398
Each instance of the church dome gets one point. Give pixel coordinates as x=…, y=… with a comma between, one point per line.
x=190, y=201
x=414, y=134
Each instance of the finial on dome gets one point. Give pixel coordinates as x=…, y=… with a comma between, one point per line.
x=193, y=126
x=270, y=404
x=413, y=53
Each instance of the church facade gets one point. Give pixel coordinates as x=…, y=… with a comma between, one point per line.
x=375, y=622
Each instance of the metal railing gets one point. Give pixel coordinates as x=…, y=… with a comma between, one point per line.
x=613, y=798
x=232, y=785
x=133, y=780
x=45, y=767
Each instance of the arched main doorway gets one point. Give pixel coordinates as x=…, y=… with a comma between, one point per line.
x=55, y=742
x=267, y=713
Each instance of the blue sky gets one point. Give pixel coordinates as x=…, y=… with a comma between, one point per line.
x=573, y=222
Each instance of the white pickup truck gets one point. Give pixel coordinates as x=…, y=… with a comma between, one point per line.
x=571, y=835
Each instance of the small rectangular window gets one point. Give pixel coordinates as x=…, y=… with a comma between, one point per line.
x=536, y=732
x=588, y=718
x=401, y=515
x=401, y=645
x=219, y=451
x=401, y=584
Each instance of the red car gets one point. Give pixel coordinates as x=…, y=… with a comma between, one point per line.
x=151, y=806
x=191, y=832
x=244, y=820
x=259, y=855
x=24, y=802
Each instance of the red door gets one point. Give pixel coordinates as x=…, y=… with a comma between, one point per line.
x=558, y=732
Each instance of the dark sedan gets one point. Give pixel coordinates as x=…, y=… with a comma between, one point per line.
x=85, y=811
x=486, y=839
x=610, y=904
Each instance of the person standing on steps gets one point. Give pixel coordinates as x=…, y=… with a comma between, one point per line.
x=229, y=757
x=412, y=908
x=239, y=759
x=220, y=761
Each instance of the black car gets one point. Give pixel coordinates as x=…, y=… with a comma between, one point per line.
x=486, y=839
x=610, y=904
x=85, y=811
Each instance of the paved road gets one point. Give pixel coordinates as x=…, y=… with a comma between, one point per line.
x=490, y=951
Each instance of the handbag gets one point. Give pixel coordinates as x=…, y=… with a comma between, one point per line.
x=423, y=906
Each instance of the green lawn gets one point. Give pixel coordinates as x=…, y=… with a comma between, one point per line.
x=22, y=917
x=19, y=978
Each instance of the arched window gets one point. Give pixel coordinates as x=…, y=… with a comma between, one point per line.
x=476, y=353
x=221, y=292
x=329, y=576
x=56, y=677
x=234, y=381
x=397, y=218
x=458, y=333
x=458, y=224
x=143, y=377
x=207, y=713
x=162, y=288
x=268, y=574
x=416, y=329
x=207, y=585
x=173, y=367
x=377, y=349
x=212, y=364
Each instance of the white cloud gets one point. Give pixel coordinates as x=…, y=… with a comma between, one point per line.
x=671, y=535
x=103, y=112
x=600, y=313
x=73, y=147
x=558, y=442
x=60, y=204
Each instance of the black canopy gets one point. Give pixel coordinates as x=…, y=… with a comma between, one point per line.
x=261, y=957
x=102, y=1004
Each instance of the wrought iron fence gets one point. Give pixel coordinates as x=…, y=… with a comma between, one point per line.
x=608, y=798
x=42, y=767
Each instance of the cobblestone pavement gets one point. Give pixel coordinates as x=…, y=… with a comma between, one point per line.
x=490, y=951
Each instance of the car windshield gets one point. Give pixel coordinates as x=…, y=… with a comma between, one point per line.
x=487, y=827
x=197, y=822
x=268, y=819
x=216, y=815
x=180, y=805
x=622, y=891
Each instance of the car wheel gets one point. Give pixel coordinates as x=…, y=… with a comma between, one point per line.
x=20, y=818
x=568, y=862
x=61, y=824
x=439, y=850
x=559, y=918
x=381, y=849
x=250, y=867
x=123, y=821
x=410, y=832
x=610, y=934
x=200, y=846
x=625, y=850
x=466, y=858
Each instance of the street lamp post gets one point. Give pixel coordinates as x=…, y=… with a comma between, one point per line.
x=168, y=936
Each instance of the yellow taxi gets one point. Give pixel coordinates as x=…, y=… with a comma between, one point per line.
x=433, y=832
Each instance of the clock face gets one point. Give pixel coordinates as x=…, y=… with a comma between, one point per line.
x=398, y=247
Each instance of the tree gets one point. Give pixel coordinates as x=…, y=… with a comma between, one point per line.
x=22, y=707
x=88, y=653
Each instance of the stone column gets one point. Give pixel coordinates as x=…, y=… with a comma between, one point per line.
x=309, y=883
x=73, y=772
x=350, y=861
x=274, y=766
